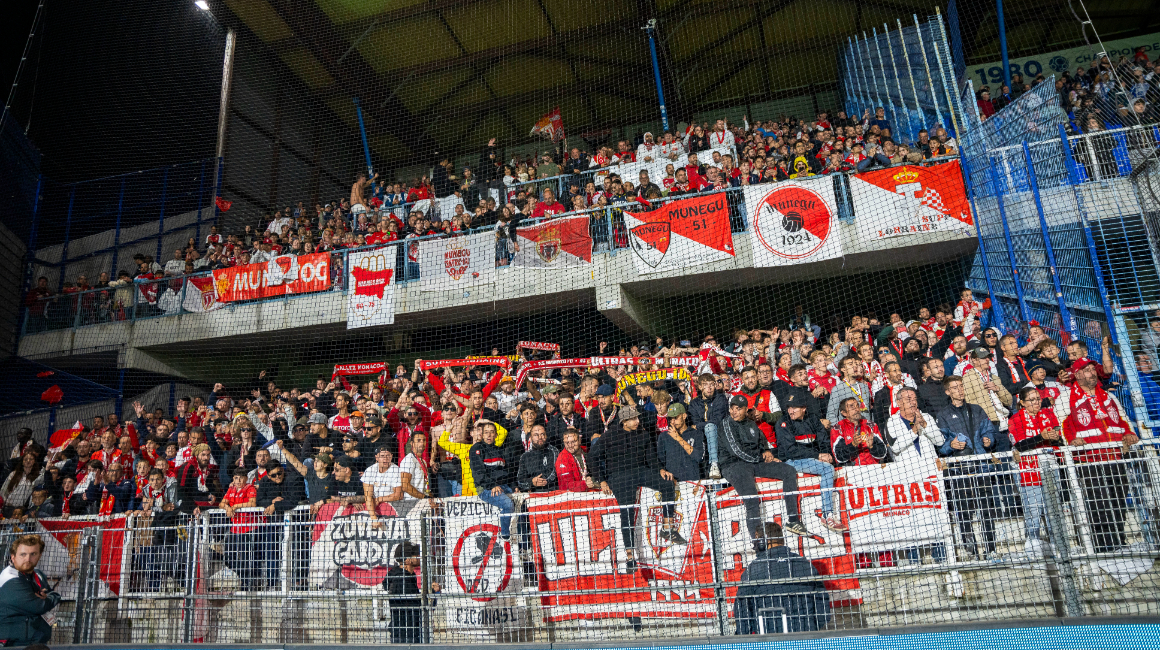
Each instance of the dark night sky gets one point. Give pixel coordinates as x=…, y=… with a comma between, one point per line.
x=119, y=86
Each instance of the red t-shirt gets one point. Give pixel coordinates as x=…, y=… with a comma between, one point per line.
x=242, y=521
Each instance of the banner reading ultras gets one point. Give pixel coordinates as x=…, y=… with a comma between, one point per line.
x=581, y=555
x=371, y=289
x=910, y=202
x=282, y=275
x=793, y=222
x=680, y=234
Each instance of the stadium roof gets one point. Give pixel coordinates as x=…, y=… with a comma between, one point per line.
x=449, y=74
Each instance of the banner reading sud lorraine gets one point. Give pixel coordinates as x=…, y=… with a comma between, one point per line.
x=910, y=201
x=280, y=276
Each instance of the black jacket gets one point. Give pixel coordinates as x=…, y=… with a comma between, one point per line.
x=622, y=451
x=740, y=442
x=880, y=411
x=292, y=490
x=711, y=411
x=1004, y=369
x=188, y=492
x=806, y=604
x=595, y=425
x=932, y=397
x=558, y=426
x=801, y=439
x=538, y=462
x=488, y=466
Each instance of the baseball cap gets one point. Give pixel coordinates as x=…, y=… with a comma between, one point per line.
x=1081, y=364
x=675, y=409
x=356, y=414
x=374, y=421
x=604, y=390
x=550, y=388
x=344, y=461
x=981, y=353
x=317, y=418
x=797, y=397
x=627, y=413
x=738, y=400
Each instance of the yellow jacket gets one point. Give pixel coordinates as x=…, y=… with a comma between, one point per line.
x=460, y=450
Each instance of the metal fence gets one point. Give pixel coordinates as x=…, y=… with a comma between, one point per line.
x=1062, y=531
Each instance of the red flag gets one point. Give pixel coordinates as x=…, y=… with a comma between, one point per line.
x=551, y=125
x=61, y=437
x=223, y=204
x=53, y=395
x=45, y=373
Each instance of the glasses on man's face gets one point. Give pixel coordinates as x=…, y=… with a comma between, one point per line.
x=410, y=413
x=276, y=474
x=990, y=336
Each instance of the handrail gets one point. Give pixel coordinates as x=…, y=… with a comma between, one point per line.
x=339, y=284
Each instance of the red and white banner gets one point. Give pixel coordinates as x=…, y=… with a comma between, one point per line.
x=793, y=222
x=347, y=552
x=428, y=364
x=577, y=540
x=371, y=288
x=910, y=202
x=200, y=295
x=601, y=362
x=550, y=126
x=536, y=345
x=354, y=369
x=457, y=263
x=681, y=234
x=280, y=276
x=61, y=558
x=555, y=244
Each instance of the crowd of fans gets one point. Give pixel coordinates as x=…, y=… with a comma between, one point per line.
x=499, y=195
x=1097, y=98
x=764, y=403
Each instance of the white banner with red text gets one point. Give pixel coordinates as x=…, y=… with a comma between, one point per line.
x=793, y=222
x=457, y=263
x=577, y=540
x=371, y=288
x=483, y=582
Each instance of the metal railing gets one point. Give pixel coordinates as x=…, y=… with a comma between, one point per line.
x=1061, y=532
x=170, y=296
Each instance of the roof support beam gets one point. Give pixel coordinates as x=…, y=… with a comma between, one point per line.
x=353, y=74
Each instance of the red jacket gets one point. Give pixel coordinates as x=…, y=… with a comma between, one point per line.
x=568, y=474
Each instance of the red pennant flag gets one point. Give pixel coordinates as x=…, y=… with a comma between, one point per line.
x=53, y=395
x=45, y=373
x=223, y=204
